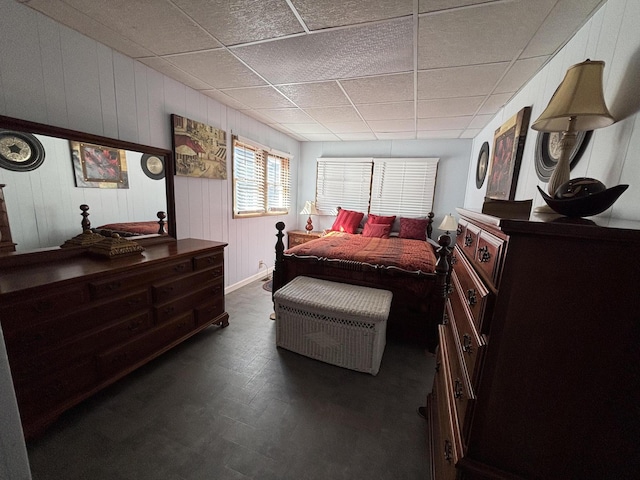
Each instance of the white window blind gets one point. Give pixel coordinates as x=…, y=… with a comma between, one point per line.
x=261, y=182
x=343, y=182
x=403, y=186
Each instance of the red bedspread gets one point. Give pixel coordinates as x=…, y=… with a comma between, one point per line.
x=412, y=255
x=140, y=228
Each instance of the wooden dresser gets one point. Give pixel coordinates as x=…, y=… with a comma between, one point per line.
x=538, y=367
x=75, y=325
x=298, y=237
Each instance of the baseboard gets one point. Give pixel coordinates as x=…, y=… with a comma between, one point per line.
x=258, y=276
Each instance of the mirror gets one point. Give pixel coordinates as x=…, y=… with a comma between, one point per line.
x=48, y=172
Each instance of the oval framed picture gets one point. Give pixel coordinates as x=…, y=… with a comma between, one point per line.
x=483, y=164
x=153, y=166
x=19, y=151
x=548, y=152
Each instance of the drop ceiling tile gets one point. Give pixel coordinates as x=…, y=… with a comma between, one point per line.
x=321, y=94
x=495, y=103
x=486, y=34
x=470, y=133
x=356, y=136
x=163, y=66
x=225, y=99
x=359, y=51
x=333, y=114
x=347, y=127
x=447, y=123
x=449, y=82
x=387, y=111
x=259, y=97
x=408, y=135
x=480, y=121
x=218, y=68
x=242, y=21
x=155, y=24
x=392, y=125
x=321, y=137
x=287, y=115
x=519, y=74
x=449, y=107
x=437, y=5
x=75, y=19
x=438, y=134
x=318, y=14
x=386, y=88
x=258, y=115
x=305, y=128
x=565, y=19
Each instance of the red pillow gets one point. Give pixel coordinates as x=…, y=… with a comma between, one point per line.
x=377, y=230
x=347, y=221
x=415, y=228
x=378, y=219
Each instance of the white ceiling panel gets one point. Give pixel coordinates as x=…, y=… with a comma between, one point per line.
x=321, y=94
x=242, y=21
x=340, y=70
x=219, y=67
x=353, y=52
x=318, y=14
x=386, y=88
x=459, y=38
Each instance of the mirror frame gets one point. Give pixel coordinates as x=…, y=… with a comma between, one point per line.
x=10, y=123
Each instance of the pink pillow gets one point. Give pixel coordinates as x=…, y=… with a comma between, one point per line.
x=378, y=219
x=347, y=221
x=377, y=230
x=415, y=228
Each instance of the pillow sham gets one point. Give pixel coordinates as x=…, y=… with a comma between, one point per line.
x=380, y=220
x=377, y=230
x=415, y=228
x=347, y=221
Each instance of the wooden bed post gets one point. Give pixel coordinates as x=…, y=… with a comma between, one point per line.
x=277, y=281
x=441, y=291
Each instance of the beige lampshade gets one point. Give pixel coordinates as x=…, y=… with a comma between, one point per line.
x=449, y=224
x=580, y=95
x=309, y=208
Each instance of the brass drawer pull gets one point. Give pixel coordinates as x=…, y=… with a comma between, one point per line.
x=459, y=230
x=445, y=319
x=179, y=268
x=113, y=286
x=483, y=254
x=448, y=451
x=169, y=310
x=466, y=343
x=454, y=260
x=457, y=389
x=471, y=297
x=437, y=366
x=468, y=240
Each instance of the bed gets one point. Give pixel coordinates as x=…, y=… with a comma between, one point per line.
x=133, y=229
x=415, y=271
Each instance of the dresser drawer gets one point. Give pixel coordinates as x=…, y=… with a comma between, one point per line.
x=163, y=291
x=488, y=254
x=472, y=345
x=209, y=311
x=117, y=285
x=208, y=260
x=468, y=242
x=143, y=346
x=168, y=310
x=473, y=294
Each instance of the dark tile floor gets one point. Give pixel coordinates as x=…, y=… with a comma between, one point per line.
x=227, y=404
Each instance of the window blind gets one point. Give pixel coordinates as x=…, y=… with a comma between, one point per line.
x=248, y=179
x=278, y=184
x=343, y=182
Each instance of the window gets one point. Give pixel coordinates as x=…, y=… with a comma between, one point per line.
x=384, y=186
x=261, y=184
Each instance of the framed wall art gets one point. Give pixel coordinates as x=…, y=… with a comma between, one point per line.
x=19, y=151
x=199, y=150
x=483, y=164
x=97, y=166
x=152, y=166
x=508, y=145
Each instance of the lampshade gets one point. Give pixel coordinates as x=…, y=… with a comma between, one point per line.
x=449, y=224
x=580, y=95
x=309, y=208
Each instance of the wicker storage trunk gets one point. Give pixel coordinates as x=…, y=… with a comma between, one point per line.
x=337, y=323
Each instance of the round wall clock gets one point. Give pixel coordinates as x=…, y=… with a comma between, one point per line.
x=19, y=151
x=548, y=152
x=483, y=164
x=153, y=166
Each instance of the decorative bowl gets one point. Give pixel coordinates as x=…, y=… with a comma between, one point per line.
x=584, y=206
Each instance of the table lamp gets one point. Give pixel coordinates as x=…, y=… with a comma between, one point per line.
x=576, y=105
x=309, y=209
x=449, y=224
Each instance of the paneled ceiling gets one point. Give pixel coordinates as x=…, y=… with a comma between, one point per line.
x=331, y=70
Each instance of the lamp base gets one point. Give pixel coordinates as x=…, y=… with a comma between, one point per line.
x=309, y=226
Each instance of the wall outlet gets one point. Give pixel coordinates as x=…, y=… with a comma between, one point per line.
x=261, y=264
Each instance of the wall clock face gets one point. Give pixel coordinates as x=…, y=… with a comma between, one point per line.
x=153, y=166
x=483, y=164
x=548, y=152
x=20, y=151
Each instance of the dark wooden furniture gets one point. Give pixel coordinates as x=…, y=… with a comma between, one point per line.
x=298, y=237
x=6, y=243
x=537, y=368
x=414, y=316
x=74, y=325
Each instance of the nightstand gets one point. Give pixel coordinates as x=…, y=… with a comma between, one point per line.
x=298, y=237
